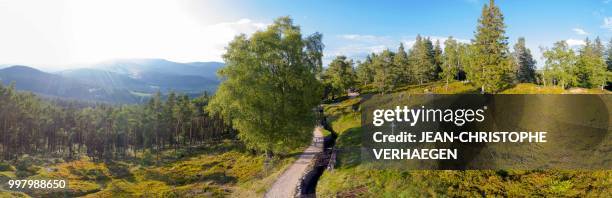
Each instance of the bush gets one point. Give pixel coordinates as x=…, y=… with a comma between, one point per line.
x=25, y=167
x=23, y=174
x=119, y=170
x=5, y=167
x=147, y=158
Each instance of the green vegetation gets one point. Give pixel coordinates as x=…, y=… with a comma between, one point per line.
x=61, y=129
x=526, y=71
x=212, y=146
x=350, y=178
x=339, y=76
x=219, y=169
x=486, y=62
x=452, y=60
x=270, y=88
x=490, y=66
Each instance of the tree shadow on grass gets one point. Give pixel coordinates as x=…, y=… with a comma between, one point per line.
x=349, y=146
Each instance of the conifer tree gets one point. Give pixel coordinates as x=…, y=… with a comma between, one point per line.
x=438, y=60
x=421, y=60
x=385, y=76
x=400, y=60
x=365, y=71
x=525, y=63
x=609, y=56
x=591, y=66
x=490, y=66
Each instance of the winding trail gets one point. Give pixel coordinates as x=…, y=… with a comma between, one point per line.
x=285, y=185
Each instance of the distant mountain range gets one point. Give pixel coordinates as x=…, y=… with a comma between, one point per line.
x=117, y=81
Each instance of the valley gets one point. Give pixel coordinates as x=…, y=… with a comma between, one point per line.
x=124, y=81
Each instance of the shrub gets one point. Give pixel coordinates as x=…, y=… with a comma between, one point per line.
x=5, y=167
x=147, y=158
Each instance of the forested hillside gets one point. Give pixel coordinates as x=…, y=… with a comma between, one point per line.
x=68, y=129
x=236, y=140
x=124, y=81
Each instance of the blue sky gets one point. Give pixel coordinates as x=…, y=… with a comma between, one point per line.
x=353, y=26
x=72, y=33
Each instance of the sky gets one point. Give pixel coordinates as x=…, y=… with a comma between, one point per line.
x=64, y=34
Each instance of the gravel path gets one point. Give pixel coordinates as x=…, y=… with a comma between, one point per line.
x=285, y=185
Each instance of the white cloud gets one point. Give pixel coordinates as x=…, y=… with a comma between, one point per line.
x=580, y=31
x=607, y=24
x=69, y=32
x=364, y=38
x=575, y=42
x=358, y=46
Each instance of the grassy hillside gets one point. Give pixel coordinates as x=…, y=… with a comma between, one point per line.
x=351, y=179
x=225, y=169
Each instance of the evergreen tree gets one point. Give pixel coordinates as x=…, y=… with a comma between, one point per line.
x=269, y=90
x=421, y=59
x=68, y=129
x=526, y=64
x=609, y=56
x=490, y=66
x=591, y=66
x=365, y=71
x=438, y=60
x=400, y=60
x=384, y=72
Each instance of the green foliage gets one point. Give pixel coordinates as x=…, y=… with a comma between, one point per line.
x=68, y=129
x=452, y=60
x=422, y=60
x=314, y=53
x=352, y=179
x=490, y=65
x=438, y=60
x=591, y=66
x=365, y=70
x=526, y=65
x=147, y=158
x=559, y=68
x=402, y=65
x=215, y=170
x=340, y=76
x=25, y=167
x=325, y=132
x=385, y=72
x=269, y=90
x=609, y=56
x=5, y=167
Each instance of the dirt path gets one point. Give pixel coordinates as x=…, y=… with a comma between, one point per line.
x=285, y=185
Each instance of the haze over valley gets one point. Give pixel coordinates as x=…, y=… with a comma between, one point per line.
x=115, y=81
